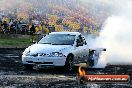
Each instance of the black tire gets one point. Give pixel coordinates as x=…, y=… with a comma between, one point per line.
x=69, y=63
x=90, y=62
x=28, y=67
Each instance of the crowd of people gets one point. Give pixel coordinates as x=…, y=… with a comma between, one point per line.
x=50, y=23
x=18, y=26
x=58, y=18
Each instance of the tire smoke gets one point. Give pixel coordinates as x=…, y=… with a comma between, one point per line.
x=116, y=36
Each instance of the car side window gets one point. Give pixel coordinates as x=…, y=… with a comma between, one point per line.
x=80, y=40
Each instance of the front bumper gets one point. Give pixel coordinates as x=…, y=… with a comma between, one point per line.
x=46, y=61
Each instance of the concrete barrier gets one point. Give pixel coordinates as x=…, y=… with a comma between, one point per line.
x=13, y=36
x=13, y=48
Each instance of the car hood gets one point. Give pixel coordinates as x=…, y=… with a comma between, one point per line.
x=47, y=48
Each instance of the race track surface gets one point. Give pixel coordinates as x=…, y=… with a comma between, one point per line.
x=13, y=74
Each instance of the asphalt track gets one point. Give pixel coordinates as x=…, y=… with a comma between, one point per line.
x=13, y=74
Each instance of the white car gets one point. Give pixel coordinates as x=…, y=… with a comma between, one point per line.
x=58, y=49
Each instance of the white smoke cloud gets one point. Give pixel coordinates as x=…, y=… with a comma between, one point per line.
x=116, y=35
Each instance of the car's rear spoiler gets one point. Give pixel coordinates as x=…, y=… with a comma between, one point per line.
x=98, y=49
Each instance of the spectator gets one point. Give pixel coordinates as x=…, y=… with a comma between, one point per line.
x=5, y=27
x=32, y=32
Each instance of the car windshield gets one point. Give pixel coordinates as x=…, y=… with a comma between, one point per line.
x=58, y=39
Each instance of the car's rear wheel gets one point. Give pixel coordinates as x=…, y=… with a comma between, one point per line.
x=69, y=63
x=90, y=61
x=28, y=67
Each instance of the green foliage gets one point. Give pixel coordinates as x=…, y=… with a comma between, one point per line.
x=15, y=41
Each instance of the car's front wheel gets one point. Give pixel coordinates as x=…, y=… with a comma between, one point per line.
x=69, y=63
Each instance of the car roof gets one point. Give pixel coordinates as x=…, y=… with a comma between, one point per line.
x=71, y=33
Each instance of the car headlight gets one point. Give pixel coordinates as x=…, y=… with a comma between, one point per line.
x=26, y=52
x=57, y=54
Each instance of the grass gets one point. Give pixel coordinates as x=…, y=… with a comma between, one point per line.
x=15, y=41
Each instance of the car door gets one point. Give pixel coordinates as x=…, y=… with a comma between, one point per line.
x=85, y=50
x=80, y=49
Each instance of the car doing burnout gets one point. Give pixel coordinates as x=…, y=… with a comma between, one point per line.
x=59, y=49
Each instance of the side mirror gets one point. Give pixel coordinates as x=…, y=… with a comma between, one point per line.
x=79, y=44
x=34, y=42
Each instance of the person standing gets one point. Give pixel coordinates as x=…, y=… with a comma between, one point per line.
x=32, y=32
